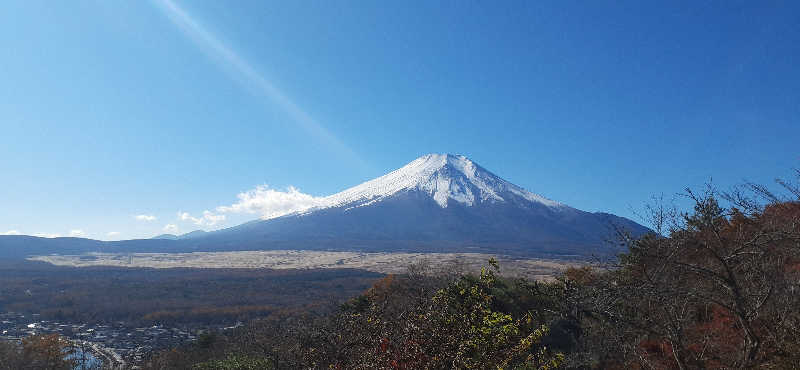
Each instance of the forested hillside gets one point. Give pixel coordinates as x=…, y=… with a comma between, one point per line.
x=717, y=287
x=195, y=297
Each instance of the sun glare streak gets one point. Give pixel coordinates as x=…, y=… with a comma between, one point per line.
x=215, y=48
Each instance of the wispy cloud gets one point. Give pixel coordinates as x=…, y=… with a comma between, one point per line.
x=46, y=235
x=171, y=228
x=207, y=219
x=271, y=203
x=216, y=49
x=146, y=218
x=112, y=234
x=11, y=232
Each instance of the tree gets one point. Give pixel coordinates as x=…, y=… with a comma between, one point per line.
x=714, y=288
x=38, y=352
x=459, y=325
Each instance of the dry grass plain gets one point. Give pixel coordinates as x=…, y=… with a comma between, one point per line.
x=386, y=263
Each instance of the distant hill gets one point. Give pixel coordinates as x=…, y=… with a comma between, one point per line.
x=438, y=202
x=166, y=237
x=191, y=235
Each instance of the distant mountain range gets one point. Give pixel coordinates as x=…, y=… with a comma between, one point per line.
x=438, y=202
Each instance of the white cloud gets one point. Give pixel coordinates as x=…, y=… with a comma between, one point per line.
x=146, y=218
x=271, y=203
x=208, y=218
x=171, y=228
x=11, y=232
x=184, y=216
x=112, y=233
x=211, y=218
x=76, y=233
x=46, y=235
x=267, y=203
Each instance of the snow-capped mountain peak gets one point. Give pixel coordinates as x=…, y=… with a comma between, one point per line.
x=436, y=203
x=444, y=177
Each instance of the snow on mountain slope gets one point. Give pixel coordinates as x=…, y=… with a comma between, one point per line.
x=445, y=177
x=436, y=203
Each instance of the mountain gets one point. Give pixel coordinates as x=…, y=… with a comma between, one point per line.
x=20, y=246
x=193, y=235
x=446, y=179
x=190, y=235
x=436, y=203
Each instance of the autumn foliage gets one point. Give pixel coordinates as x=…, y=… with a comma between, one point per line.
x=38, y=352
x=717, y=288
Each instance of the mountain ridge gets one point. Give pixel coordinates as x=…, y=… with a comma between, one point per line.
x=436, y=203
x=438, y=199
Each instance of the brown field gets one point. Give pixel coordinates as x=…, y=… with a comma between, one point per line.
x=386, y=263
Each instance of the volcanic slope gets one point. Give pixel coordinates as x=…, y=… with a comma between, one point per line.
x=438, y=202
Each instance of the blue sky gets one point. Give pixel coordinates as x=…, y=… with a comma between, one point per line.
x=112, y=110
